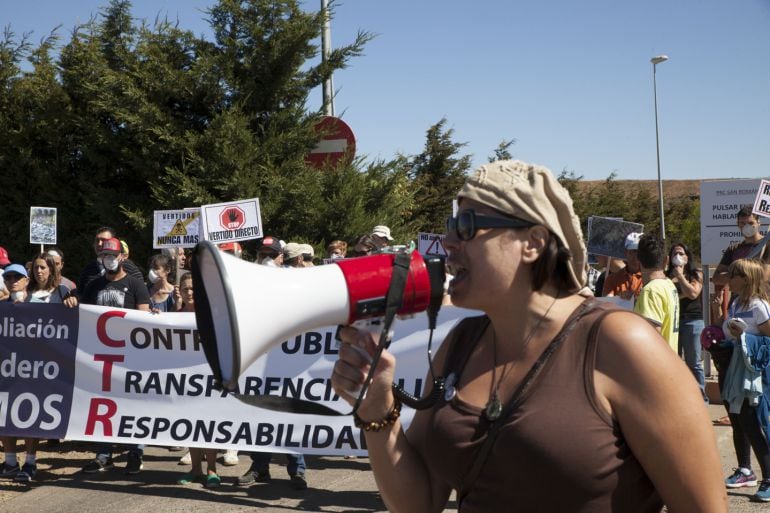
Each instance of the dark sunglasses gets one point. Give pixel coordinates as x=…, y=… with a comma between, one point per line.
x=465, y=224
x=735, y=273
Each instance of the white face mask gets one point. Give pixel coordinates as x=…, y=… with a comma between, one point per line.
x=18, y=296
x=110, y=263
x=152, y=276
x=336, y=256
x=749, y=230
x=268, y=261
x=677, y=261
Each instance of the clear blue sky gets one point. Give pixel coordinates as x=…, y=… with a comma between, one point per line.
x=570, y=80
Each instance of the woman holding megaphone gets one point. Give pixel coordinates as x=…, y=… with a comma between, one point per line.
x=554, y=401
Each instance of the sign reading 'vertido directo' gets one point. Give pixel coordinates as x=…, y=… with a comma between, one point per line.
x=232, y=221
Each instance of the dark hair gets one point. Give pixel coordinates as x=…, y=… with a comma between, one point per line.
x=53, y=274
x=553, y=264
x=186, y=276
x=159, y=260
x=747, y=212
x=690, y=270
x=105, y=229
x=651, y=252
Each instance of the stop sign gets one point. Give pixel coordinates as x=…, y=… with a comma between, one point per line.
x=232, y=218
x=337, y=143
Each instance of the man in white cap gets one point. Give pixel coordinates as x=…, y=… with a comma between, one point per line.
x=381, y=236
x=628, y=283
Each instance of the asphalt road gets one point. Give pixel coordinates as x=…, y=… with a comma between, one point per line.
x=335, y=484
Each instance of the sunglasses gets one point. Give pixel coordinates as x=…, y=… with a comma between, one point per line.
x=735, y=273
x=465, y=224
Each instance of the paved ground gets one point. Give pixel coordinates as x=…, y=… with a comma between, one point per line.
x=336, y=484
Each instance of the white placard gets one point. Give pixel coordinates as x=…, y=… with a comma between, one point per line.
x=232, y=221
x=176, y=228
x=762, y=201
x=42, y=225
x=431, y=244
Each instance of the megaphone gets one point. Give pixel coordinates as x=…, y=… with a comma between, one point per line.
x=243, y=310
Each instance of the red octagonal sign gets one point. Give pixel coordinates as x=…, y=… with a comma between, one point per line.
x=232, y=218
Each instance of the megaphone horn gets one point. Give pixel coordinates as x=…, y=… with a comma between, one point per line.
x=243, y=309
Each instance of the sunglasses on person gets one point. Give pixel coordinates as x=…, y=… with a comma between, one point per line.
x=465, y=224
x=734, y=273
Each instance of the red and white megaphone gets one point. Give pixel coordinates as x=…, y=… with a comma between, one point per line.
x=244, y=309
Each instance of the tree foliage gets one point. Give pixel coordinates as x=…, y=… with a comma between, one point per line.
x=437, y=175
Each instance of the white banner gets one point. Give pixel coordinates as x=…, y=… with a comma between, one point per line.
x=143, y=378
x=720, y=201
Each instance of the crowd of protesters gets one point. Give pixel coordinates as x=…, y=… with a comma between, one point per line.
x=113, y=279
x=663, y=284
x=666, y=287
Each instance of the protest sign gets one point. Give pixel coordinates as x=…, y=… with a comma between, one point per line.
x=607, y=235
x=176, y=228
x=431, y=244
x=232, y=221
x=762, y=201
x=42, y=225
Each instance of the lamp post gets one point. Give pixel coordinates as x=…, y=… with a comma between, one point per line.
x=655, y=61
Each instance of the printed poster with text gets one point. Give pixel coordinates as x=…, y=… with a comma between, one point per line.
x=233, y=221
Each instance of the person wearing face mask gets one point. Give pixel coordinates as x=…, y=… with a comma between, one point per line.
x=336, y=249
x=270, y=252
x=688, y=280
x=160, y=289
x=114, y=288
x=749, y=225
x=94, y=269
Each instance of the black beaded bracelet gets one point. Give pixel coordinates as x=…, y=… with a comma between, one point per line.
x=377, y=425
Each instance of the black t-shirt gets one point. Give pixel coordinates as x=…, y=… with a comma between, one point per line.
x=127, y=292
x=92, y=271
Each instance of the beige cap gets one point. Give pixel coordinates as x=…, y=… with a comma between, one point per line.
x=382, y=231
x=531, y=192
x=292, y=250
x=307, y=249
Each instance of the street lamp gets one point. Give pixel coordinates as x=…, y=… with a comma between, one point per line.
x=655, y=61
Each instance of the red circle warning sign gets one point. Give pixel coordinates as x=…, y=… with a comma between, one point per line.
x=232, y=218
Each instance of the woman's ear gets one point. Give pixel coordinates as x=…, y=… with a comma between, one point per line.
x=535, y=243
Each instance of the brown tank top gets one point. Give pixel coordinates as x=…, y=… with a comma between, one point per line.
x=558, y=450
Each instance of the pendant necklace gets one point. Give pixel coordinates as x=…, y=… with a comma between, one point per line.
x=494, y=407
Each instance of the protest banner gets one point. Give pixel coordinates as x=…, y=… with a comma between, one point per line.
x=233, y=221
x=126, y=376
